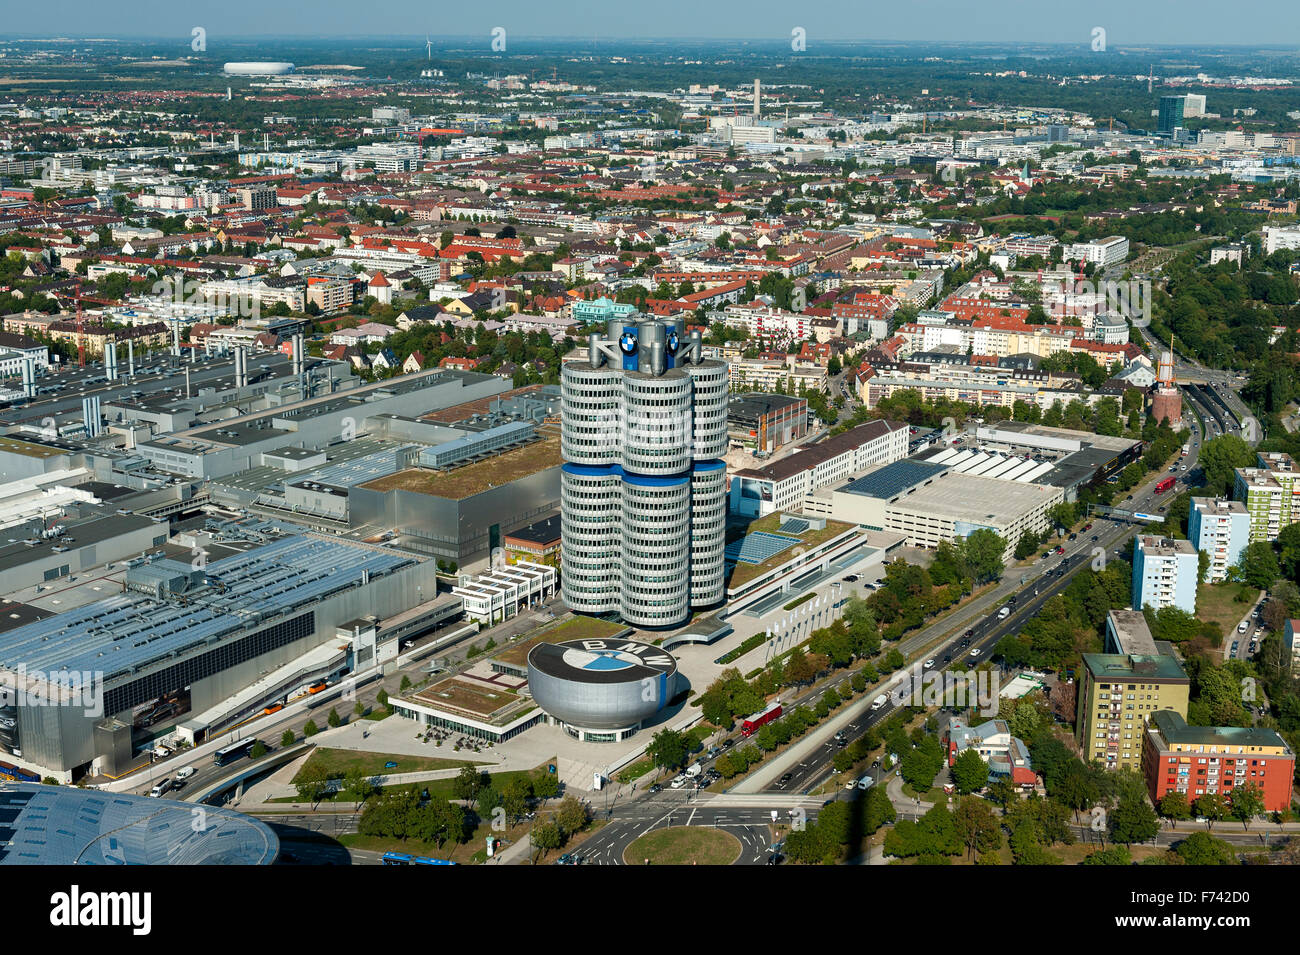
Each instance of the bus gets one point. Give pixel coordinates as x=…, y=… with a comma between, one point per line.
x=752, y=723
x=1165, y=485
x=401, y=858
x=233, y=751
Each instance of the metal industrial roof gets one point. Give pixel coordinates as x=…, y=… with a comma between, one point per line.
x=893, y=479
x=127, y=632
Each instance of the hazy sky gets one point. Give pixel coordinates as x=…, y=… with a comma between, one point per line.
x=1127, y=22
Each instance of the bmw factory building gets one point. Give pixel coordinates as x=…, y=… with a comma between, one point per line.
x=643, y=485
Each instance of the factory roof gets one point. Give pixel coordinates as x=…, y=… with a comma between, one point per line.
x=128, y=632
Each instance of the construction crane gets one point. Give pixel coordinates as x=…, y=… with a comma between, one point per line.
x=80, y=321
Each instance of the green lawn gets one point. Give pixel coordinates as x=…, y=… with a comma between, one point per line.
x=684, y=845
x=339, y=762
x=1218, y=603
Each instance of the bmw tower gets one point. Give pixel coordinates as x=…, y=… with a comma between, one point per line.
x=643, y=486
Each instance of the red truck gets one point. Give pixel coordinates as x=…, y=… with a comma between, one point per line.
x=1165, y=485
x=751, y=723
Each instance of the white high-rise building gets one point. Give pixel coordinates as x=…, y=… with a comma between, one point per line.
x=643, y=487
x=1164, y=573
x=1222, y=530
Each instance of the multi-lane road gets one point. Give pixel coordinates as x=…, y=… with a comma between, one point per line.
x=1045, y=579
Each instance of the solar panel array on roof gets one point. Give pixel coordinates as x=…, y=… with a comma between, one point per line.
x=793, y=525
x=893, y=479
x=757, y=547
x=128, y=631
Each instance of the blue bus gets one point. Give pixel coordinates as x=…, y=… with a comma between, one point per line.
x=233, y=751
x=401, y=858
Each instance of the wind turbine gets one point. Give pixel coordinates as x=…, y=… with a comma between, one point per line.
x=428, y=47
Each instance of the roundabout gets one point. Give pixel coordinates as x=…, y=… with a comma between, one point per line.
x=683, y=845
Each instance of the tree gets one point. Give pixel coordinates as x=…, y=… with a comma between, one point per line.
x=258, y=750
x=334, y=720
x=287, y=739
x=1247, y=803
x=984, y=551
x=1219, y=458
x=311, y=782
x=1174, y=807
x=1115, y=855
x=1201, y=848
x=311, y=729
x=514, y=798
x=667, y=749
x=1133, y=820
x=468, y=782
x=969, y=772
x=357, y=786
x=546, y=786
x=547, y=836
x=1211, y=807
x=382, y=699
x=977, y=827
x=572, y=815
x=1258, y=565
x=359, y=709
x=1027, y=545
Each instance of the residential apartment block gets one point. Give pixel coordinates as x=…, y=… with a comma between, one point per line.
x=1164, y=573
x=1222, y=530
x=1197, y=760
x=1118, y=694
x=1268, y=491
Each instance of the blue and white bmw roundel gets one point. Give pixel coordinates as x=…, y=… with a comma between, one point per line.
x=672, y=342
x=627, y=342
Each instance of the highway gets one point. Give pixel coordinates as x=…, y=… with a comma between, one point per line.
x=1046, y=579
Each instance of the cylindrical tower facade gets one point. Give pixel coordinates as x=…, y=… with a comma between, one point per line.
x=656, y=585
x=590, y=414
x=591, y=537
x=708, y=533
x=643, y=485
x=709, y=421
x=657, y=423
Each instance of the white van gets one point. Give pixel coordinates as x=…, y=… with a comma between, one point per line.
x=185, y=772
x=879, y=701
x=1004, y=613
x=1241, y=627
x=161, y=787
